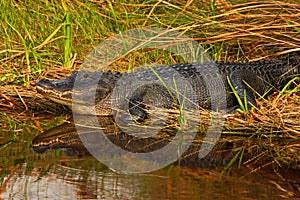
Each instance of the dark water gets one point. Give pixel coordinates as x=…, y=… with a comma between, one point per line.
x=54, y=175
x=61, y=181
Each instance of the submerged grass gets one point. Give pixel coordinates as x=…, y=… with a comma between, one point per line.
x=43, y=38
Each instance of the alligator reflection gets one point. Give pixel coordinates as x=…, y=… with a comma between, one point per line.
x=260, y=178
x=66, y=137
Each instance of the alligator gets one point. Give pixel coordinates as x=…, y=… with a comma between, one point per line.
x=93, y=93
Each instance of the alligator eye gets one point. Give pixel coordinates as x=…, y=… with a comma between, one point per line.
x=84, y=76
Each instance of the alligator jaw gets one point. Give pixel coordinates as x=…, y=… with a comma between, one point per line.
x=51, y=91
x=65, y=98
x=79, y=100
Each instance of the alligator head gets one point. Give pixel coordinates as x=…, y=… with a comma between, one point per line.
x=84, y=92
x=91, y=93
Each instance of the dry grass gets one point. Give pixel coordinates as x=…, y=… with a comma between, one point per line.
x=260, y=30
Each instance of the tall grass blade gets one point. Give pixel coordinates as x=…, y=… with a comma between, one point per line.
x=67, y=34
x=240, y=102
x=26, y=79
x=284, y=89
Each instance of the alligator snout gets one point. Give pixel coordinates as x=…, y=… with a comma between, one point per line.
x=45, y=83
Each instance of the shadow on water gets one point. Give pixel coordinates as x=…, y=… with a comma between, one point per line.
x=72, y=173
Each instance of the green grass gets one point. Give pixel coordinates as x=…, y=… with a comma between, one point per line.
x=285, y=89
x=38, y=35
x=243, y=103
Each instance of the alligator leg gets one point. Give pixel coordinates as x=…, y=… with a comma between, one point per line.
x=148, y=97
